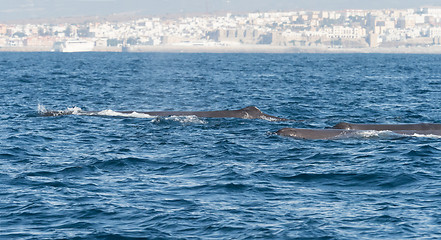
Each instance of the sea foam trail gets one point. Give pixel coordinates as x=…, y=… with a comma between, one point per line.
x=43, y=111
x=376, y=134
x=425, y=135
x=111, y=113
x=386, y=134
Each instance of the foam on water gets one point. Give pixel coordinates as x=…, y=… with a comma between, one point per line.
x=181, y=119
x=425, y=136
x=375, y=134
x=390, y=134
x=112, y=113
x=270, y=119
x=42, y=110
x=186, y=119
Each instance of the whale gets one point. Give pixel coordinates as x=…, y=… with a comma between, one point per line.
x=388, y=127
x=250, y=112
x=333, y=133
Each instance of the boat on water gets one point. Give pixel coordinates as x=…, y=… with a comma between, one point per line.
x=74, y=46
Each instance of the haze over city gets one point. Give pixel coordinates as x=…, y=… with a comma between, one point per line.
x=224, y=26
x=20, y=10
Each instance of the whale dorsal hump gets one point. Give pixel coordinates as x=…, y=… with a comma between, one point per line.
x=342, y=125
x=252, y=111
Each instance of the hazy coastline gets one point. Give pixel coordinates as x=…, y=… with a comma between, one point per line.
x=242, y=49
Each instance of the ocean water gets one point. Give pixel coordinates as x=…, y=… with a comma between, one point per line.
x=143, y=177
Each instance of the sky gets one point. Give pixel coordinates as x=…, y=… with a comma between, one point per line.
x=12, y=10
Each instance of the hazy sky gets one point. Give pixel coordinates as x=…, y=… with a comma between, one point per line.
x=35, y=9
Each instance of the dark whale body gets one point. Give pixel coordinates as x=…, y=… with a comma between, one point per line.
x=350, y=129
x=390, y=127
x=303, y=133
x=250, y=112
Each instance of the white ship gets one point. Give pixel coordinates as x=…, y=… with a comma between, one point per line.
x=74, y=46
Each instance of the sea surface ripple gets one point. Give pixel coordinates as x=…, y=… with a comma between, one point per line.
x=116, y=177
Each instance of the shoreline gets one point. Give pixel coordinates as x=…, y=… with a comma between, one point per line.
x=241, y=49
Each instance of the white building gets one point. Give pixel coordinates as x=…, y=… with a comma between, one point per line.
x=435, y=32
x=433, y=11
x=346, y=32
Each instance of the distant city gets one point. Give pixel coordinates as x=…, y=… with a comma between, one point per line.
x=346, y=29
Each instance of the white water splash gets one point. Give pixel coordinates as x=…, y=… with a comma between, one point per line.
x=73, y=110
x=41, y=109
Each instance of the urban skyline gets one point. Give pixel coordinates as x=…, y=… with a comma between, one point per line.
x=351, y=28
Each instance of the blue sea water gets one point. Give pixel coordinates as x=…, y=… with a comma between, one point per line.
x=112, y=177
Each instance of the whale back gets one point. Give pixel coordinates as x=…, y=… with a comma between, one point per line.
x=326, y=134
x=250, y=112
